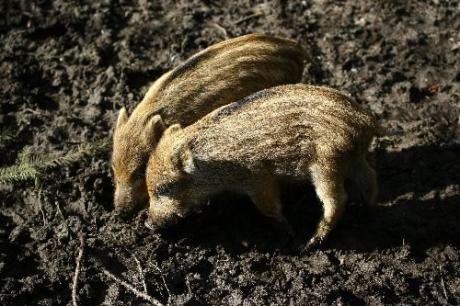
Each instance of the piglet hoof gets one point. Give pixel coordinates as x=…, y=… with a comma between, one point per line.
x=313, y=244
x=148, y=224
x=298, y=248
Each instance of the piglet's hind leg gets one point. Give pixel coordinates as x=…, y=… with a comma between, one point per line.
x=266, y=197
x=329, y=186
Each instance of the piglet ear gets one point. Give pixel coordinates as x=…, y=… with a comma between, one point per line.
x=188, y=166
x=153, y=130
x=182, y=159
x=172, y=129
x=122, y=117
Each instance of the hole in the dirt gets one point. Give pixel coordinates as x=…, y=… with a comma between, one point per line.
x=193, y=302
x=96, y=291
x=413, y=284
x=57, y=135
x=344, y=297
x=36, y=122
x=8, y=121
x=204, y=267
x=352, y=63
x=70, y=189
x=416, y=95
x=388, y=294
x=176, y=282
x=17, y=265
x=457, y=77
x=59, y=293
x=38, y=293
x=104, y=192
x=57, y=29
x=7, y=226
x=398, y=76
x=107, y=258
x=108, y=55
x=260, y=265
x=47, y=103
x=162, y=253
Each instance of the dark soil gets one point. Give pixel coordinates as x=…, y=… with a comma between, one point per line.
x=64, y=71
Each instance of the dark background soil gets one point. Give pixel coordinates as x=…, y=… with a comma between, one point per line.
x=66, y=68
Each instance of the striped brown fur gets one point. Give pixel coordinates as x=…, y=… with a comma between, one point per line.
x=291, y=132
x=216, y=76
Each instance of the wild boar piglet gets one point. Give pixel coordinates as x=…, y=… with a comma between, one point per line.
x=218, y=75
x=291, y=132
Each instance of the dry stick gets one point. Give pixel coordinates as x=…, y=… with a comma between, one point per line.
x=258, y=14
x=183, y=43
x=77, y=271
x=220, y=28
x=136, y=292
x=141, y=273
x=443, y=285
x=40, y=206
x=58, y=210
x=164, y=281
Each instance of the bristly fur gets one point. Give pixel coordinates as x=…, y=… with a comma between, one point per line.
x=218, y=75
x=291, y=132
x=224, y=111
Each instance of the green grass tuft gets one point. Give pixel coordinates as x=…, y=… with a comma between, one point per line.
x=7, y=134
x=30, y=167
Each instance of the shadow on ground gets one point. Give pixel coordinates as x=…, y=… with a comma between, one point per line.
x=414, y=209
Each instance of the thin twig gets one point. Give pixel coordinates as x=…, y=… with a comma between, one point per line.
x=183, y=43
x=444, y=290
x=32, y=111
x=258, y=14
x=220, y=28
x=141, y=273
x=40, y=207
x=443, y=285
x=58, y=210
x=136, y=292
x=77, y=271
x=163, y=280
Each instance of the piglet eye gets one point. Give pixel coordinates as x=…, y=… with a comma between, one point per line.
x=165, y=188
x=139, y=174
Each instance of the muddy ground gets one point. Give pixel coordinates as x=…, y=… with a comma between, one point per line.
x=64, y=71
